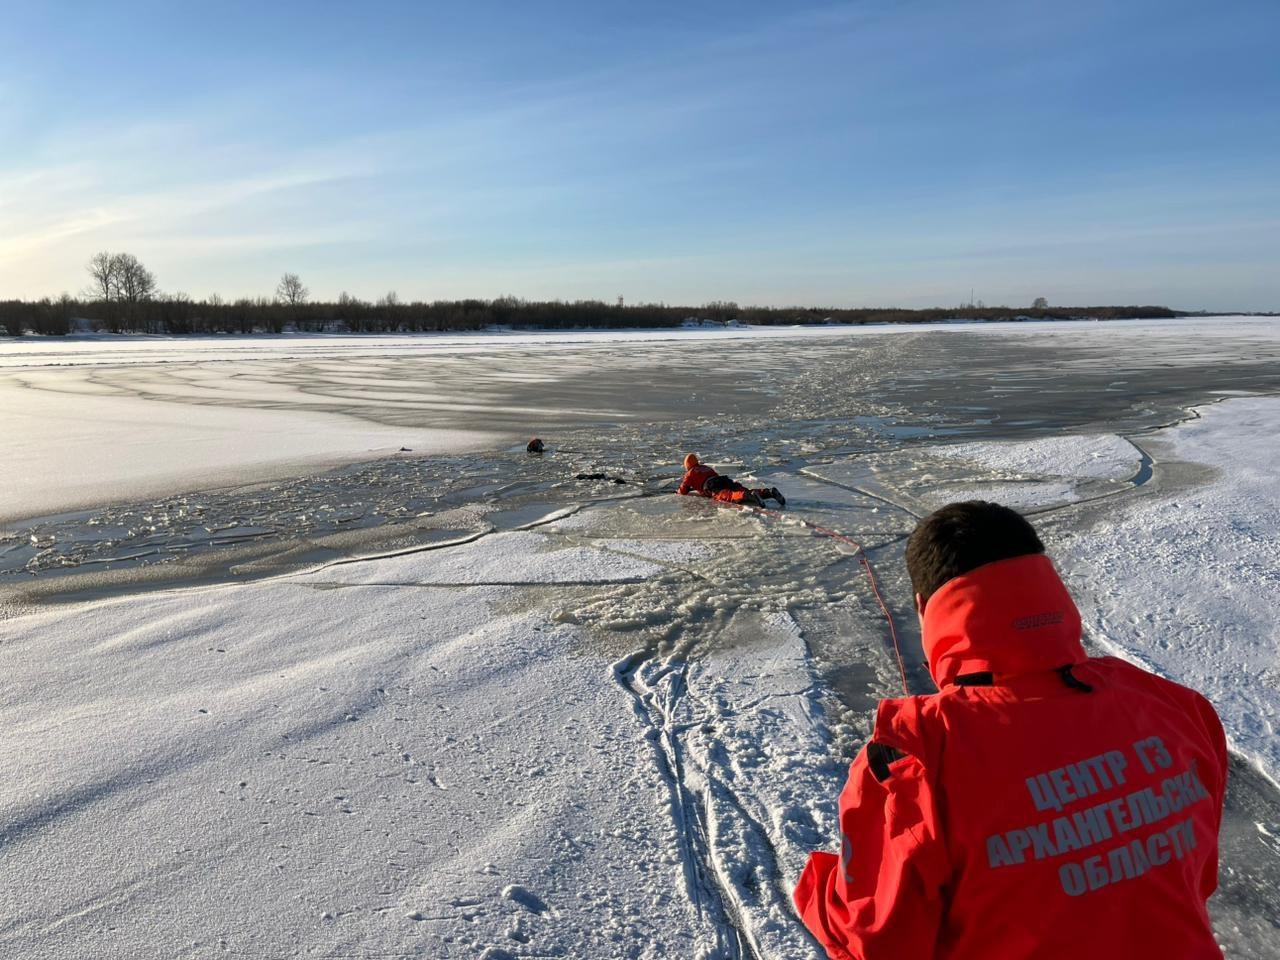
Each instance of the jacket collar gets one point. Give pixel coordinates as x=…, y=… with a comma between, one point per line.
x=1009, y=617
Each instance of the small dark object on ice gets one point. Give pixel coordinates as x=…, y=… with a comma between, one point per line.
x=534, y=446
x=406, y=450
x=599, y=476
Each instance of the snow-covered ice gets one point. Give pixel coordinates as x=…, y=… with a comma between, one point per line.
x=1188, y=582
x=1098, y=457
x=509, y=558
x=1031, y=475
x=392, y=767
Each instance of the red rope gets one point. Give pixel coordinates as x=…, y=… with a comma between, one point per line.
x=871, y=578
x=875, y=589
x=893, y=630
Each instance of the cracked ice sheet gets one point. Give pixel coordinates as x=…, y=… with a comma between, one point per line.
x=845, y=511
x=524, y=557
x=662, y=551
x=276, y=770
x=1186, y=582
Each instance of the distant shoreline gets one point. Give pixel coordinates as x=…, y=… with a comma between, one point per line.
x=184, y=318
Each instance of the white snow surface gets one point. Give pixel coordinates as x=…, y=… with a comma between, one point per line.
x=379, y=765
x=1187, y=583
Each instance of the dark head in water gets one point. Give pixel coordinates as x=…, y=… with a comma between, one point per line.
x=535, y=446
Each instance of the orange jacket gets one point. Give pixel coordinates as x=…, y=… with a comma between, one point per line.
x=1017, y=814
x=695, y=478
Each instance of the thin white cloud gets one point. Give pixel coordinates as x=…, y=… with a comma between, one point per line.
x=86, y=205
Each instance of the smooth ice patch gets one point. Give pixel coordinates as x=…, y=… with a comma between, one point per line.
x=1094, y=457
x=71, y=443
x=1029, y=495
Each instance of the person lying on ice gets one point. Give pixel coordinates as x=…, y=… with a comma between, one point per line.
x=1044, y=803
x=703, y=481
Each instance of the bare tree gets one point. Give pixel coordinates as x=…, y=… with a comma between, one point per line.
x=102, y=270
x=134, y=282
x=291, y=291
x=390, y=300
x=1040, y=304
x=119, y=278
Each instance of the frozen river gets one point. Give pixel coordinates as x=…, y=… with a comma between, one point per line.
x=147, y=454
x=743, y=652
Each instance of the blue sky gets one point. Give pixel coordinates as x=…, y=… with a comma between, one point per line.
x=864, y=153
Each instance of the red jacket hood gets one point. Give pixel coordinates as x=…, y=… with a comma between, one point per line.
x=1009, y=617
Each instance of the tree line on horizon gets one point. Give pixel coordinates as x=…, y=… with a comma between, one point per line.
x=123, y=297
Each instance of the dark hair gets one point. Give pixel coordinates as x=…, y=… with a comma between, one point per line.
x=961, y=536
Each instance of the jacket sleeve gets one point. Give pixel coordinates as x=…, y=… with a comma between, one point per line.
x=685, y=484
x=881, y=897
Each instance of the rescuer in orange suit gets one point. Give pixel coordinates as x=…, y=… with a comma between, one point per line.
x=703, y=481
x=1043, y=804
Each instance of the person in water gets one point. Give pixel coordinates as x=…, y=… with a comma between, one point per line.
x=702, y=480
x=1043, y=803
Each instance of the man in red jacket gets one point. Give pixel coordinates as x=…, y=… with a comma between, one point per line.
x=1043, y=803
x=703, y=481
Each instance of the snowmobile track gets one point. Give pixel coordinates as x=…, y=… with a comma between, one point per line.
x=704, y=883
